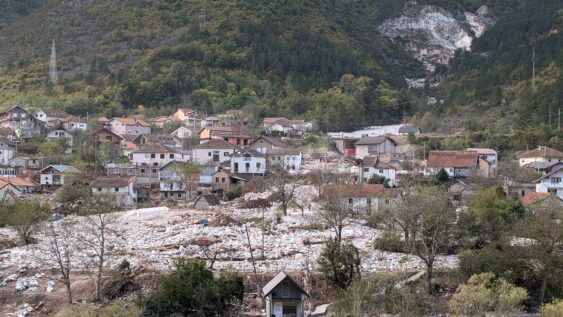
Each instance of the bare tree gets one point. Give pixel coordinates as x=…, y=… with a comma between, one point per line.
x=334, y=210
x=319, y=178
x=97, y=232
x=284, y=186
x=60, y=249
x=545, y=227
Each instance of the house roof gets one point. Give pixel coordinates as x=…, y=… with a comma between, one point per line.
x=154, y=148
x=272, y=120
x=482, y=151
x=358, y=190
x=215, y=144
x=55, y=113
x=542, y=151
x=62, y=168
x=6, y=131
x=164, y=119
x=103, y=120
x=555, y=170
x=542, y=165
x=104, y=130
x=186, y=110
x=211, y=199
x=532, y=198
x=374, y=161
x=452, y=159
x=235, y=129
x=272, y=140
x=74, y=119
x=113, y=181
x=285, y=151
x=131, y=121
x=18, y=182
x=250, y=151
x=273, y=283
x=371, y=140
x=409, y=129
x=130, y=137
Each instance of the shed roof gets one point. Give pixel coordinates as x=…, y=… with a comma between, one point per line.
x=372, y=140
x=273, y=283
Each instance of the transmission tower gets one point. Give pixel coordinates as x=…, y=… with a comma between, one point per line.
x=53, y=76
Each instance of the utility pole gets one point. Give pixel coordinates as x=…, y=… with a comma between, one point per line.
x=534, y=68
x=53, y=76
x=549, y=112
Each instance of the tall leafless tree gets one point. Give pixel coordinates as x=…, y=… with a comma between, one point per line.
x=284, y=186
x=334, y=210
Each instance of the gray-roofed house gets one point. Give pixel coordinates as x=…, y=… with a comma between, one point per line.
x=374, y=146
x=284, y=297
x=265, y=144
x=248, y=161
x=205, y=201
x=55, y=175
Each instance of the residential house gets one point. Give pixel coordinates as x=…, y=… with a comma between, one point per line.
x=27, y=162
x=103, y=121
x=7, y=151
x=8, y=171
x=372, y=166
x=106, y=143
x=210, y=121
x=20, y=121
x=156, y=155
x=488, y=155
x=551, y=182
x=409, y=129
x=264, y=144
x=374, y=146
x=73, y=123
x=214, y=151
x=119, y=190
x=146, y=175
x=185, y=114
x=162, y=121
x=534, y=198
x=234, y=134
x=543, y=168
x=25, y=186
x=172, y=182
x=248, y=161
x=9, y=194
x=457, y=164
x=284, y=297
x=55, y=175
x=285, y=127
x=221, y=180
x=7, y=133
x=49, y=115
x=183, y=132
x=205, y=201
x=206, y=172
x=361, y=198
x=288, y=159
x=541, y=154
x=57, y=134
x=122, y=126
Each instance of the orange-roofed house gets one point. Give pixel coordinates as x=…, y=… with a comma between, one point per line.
x=23, y=185
x=457, y=164
x=534, y=198
x=362, y=198
x=185, y=114
x=122, y=126
x=541, y=154
x=9, y=194
x=233, y=134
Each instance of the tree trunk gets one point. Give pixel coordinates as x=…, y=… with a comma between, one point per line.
x=68, y=292
x=543, y=287
x=429, y=279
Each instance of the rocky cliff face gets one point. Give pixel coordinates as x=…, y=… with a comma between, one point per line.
x=433, y=35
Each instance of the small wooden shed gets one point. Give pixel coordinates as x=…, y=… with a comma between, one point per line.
x=284, y=297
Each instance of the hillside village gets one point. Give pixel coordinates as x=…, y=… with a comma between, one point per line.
x=259, y=200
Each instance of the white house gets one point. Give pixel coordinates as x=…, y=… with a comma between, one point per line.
x=119, y=190
x=457, y=164
x=57, y=134
x=156, y=155
x=373, y=146
x=7, y=151
x=183, y=132
x=71, y=123
x=48, y=115
x=289, y=159
x=371, y=165
x=171, y=182
x=551, y=182
x=264, y=144
x=54, y=175
x=214, y=151
x=8, y=171
x=9, y=193
x=541, y=154
x=122, y=126
x=248, y=161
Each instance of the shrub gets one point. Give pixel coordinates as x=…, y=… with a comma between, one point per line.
x=390, y=242
x=442, y=176
x=234, y=193
x=339, y=264
x=70, y=193
x=553, y=309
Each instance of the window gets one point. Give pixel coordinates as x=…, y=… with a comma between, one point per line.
x=99, y=189
x=161, y=156
x=366, y=169
x=216, y=179
x=258, y=165
x=380, y=171
x=247, y=166
x=350, y=200
x=246, y=157
x=209, y=154
x=171, y=156
x=369, y=201
x=142, y=170
x=285, y=289
x=179, y=195
x=116, y=189
x=556, y=180
x=153, y=155
x=226, y=154
x=154, y=170
x=222, y=179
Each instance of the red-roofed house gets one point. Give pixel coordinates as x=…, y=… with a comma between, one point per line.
x=541, y=154
x=457, y=164
x=185, y=114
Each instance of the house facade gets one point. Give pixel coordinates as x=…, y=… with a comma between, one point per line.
x=183, y=132
x=373, y=146
x=156, y=155
x=48, y=115
x=284, y=297
x=171, y=182
x=119, y=190
x=233, y=134
x=7, y=151
x=372, y=166
x=20, y=121
x=264, y=144
x=56, y=175
x=288, y=159
x=541, y=154
x=551, y=183
x=456, y=163
x=185, y=114
x=248, y=161
x=72, y=123
x=121, y=126
x=214, y=151
x=57, y=134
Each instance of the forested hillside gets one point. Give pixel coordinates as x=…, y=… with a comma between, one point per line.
x=322, y=60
